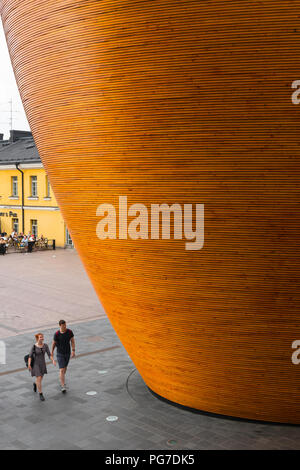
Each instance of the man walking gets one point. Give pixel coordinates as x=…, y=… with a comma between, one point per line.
x=61, y=341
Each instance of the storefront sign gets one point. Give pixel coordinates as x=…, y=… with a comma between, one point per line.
x=8, y=214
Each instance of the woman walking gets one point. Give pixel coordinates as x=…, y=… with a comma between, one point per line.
x=37, y=357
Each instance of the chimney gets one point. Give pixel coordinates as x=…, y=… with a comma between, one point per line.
x=17, y=135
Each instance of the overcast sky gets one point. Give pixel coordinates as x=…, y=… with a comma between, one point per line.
x=8, y=91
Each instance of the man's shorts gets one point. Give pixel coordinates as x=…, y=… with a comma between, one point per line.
x=63, y=360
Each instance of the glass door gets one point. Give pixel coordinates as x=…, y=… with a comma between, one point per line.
x=69, y=242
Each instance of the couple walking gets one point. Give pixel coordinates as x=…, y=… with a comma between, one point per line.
x=37, y=363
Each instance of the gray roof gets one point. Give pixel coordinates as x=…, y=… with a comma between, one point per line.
x=22, y=151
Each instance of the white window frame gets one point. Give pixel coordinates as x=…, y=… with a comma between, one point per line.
x=14, y=186
x=69, y=241
x=15, y=224
x=34, y=227
x=34, y=186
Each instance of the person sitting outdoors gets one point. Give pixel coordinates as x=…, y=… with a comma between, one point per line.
x=2, y=246
x=31, y=242
x=5, y=238
x=24, y=241
x=14, y=235
x=14, y=238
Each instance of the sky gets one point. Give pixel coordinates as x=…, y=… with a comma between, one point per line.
x=8, y=91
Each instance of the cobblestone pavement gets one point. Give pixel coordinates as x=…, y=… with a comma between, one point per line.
x=77, y=420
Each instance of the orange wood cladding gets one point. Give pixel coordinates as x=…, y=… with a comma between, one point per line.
x=179, y=102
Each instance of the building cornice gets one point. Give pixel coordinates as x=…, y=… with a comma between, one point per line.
x=35, y=208
x=22, y=166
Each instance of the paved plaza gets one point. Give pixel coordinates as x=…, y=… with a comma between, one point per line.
x=36, y=291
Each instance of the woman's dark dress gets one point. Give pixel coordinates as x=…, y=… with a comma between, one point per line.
x=39, y=366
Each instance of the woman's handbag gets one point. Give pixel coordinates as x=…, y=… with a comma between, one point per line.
x=26, y=358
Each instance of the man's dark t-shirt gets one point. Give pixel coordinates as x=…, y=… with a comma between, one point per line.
x=62, y=341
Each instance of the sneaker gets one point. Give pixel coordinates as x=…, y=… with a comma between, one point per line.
x=42, y=398
x=34, y=387
x=63, y=388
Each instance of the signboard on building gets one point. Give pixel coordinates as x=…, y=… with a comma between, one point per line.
x=8, y=214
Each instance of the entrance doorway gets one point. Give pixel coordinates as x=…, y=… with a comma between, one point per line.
x=69, y=242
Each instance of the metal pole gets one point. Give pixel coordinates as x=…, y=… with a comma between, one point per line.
x=23, y=216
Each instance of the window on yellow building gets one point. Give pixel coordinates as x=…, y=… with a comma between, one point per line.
x=48, y=194
x=34, y=227
x=14, y=186
x=33, y=180
x=69, y=241
x=15, y=225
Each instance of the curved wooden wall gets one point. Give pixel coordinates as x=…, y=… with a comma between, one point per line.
x=188, y=102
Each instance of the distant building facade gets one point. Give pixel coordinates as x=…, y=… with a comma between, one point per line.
x=27, y=202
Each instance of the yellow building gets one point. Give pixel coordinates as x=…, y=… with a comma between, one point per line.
x=27, y=202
